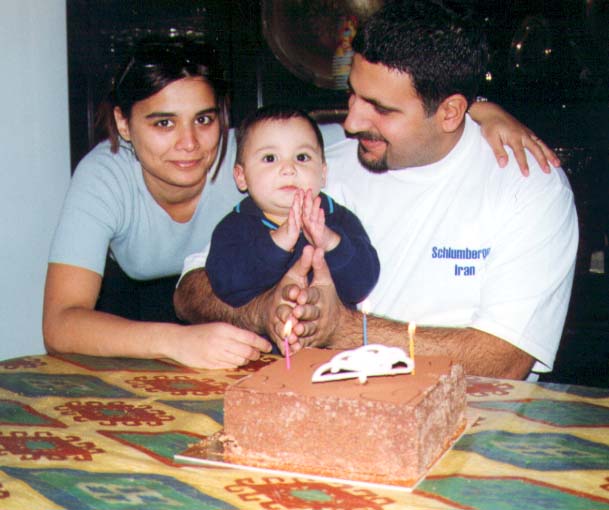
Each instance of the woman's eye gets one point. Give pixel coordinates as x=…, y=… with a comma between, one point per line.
x=205, y=120
x=303, y=157
x=269, y=158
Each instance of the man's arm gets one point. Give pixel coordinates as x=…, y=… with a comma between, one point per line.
x=195, y=302
x=339, y=328
x=480, y=353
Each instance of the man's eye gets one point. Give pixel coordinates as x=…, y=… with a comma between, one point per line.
x=303, y=157
x=269, y=158
x=382, y=111
x=164, y=123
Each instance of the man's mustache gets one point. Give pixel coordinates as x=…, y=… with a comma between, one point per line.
x=365, y=135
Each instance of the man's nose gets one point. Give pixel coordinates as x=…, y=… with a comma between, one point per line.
x=357, y=117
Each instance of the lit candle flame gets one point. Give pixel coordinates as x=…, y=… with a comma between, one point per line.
x=411, y=329
x=366, y=306
x=287, y=330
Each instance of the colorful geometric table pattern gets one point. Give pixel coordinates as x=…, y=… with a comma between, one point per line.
x=89, y=433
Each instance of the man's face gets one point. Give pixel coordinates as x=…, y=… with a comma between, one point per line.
x=388, y=118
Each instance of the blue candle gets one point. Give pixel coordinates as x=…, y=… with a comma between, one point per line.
x=365, y=310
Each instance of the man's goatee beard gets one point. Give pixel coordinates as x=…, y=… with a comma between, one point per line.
x=378, y=167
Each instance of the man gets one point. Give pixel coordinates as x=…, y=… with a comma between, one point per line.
x=480, y=257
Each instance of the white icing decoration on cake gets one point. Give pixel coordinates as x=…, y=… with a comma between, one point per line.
x=363, y=362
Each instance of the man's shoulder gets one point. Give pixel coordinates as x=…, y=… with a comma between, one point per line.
x=344, y=149
x=537, y=182
x=343, y=165
x=510, y=177
x=332, y=134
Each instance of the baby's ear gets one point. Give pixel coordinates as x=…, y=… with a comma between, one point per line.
x=324, y=174
x=239, y=176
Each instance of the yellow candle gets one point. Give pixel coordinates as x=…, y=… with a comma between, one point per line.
x=411, y=329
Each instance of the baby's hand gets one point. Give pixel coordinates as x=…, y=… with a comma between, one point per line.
x=287, y=234
x=314, y=224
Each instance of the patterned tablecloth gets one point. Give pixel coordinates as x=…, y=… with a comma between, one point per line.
x=90, y=433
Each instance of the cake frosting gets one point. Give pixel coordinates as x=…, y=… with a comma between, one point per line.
x=388, y=430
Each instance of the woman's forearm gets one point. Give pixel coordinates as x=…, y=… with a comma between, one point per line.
x=85, y=331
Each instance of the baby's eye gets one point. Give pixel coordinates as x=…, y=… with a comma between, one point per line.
x=303, y=157
x=164, y=123
x=269, y=158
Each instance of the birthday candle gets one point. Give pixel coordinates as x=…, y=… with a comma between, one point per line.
x=365, y=309
x=411, y=329
x=287, y=329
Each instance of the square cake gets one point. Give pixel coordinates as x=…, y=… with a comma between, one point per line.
x=389, y=430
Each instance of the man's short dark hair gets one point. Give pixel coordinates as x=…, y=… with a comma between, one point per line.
x=444, y=52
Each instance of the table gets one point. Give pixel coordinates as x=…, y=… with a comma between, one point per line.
x=82, y=433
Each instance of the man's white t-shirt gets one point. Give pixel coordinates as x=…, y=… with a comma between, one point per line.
x=465, y=243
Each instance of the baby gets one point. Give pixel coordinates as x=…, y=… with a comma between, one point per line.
x=281, y=164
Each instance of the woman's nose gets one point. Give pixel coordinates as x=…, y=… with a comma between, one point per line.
x=187, y=139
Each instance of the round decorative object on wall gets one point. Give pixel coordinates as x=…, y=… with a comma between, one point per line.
x=312, y=38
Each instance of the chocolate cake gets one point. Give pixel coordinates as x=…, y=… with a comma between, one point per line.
x=388, y=430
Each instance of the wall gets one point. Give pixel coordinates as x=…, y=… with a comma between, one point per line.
x=35, y=164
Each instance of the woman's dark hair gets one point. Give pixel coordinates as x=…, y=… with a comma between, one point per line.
x=274, y=112
x=156, y=63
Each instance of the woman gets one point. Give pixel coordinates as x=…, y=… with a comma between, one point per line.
x=148, y=196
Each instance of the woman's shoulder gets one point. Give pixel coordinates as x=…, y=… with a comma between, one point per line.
x=101, y=158
x=102, y=169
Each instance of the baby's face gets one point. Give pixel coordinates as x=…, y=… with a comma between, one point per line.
x=280, y=157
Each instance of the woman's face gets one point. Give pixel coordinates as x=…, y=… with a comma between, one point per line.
x=175, y=134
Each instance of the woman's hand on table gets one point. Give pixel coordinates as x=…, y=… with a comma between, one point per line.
x=71, y=325
x=216, y=345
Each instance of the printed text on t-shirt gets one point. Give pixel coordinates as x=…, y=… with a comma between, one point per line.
x=461, y=254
